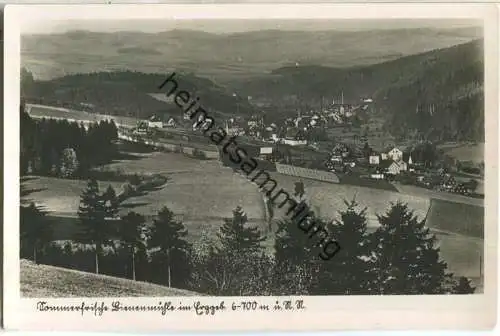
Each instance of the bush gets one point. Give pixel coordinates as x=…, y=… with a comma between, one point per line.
x=198, y=154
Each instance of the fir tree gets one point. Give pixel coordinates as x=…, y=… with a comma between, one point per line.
x=236, y=237
x=296, y=261
x=168, y=236
x=132, y=233
x=405, y=258
x=463, y=286
x=35, y=230
x=92, y=213
x=236, y=265
x=111, y=202
x=348, y=271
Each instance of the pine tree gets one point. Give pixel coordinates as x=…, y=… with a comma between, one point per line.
x=35, y=230
x=296, y=261
x=347, y=272
x=132, y=233
x=463, y=286
x=236, y=237
x=235, y=265
x=93, y=213
x=111, y=202
x=168, y=235
x=405, y=258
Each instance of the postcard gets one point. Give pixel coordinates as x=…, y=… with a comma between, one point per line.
x=249, y=167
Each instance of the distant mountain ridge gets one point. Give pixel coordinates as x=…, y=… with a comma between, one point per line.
x=438, y=94
x=224, y=57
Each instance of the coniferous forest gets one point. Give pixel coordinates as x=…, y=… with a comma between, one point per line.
x=51, y=147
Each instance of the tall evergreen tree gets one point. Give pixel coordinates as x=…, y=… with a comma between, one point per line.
x=236, y=237
x=111, y=202
x=348, y=272
x=168, y=236
x=35, y=230
x=132, y=233
x=405, y=258
x=236, y=264
x=296, y=261
x=93, y=215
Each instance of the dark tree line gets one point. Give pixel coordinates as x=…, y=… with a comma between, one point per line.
x=62, y=148
x=399, y=257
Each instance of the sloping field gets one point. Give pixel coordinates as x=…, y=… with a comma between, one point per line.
x=307, y=173
x=157, y=163
x=60, y=112
x=465, y=152
x=460, y=231
x=202, y=193
x=463, y=254
x=445, y=196
x=45, y=281
x=327, y=199
x=449, y=216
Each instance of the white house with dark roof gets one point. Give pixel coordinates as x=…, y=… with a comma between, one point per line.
x=395, y=154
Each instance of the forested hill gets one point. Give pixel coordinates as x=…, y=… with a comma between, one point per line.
x=127, y=93
x=450, y=80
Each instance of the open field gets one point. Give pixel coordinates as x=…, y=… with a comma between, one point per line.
x=39, y=281
x=201, y=193
x=60, y=112
x=327, y=199
x=356, y=180
x=445, y=196
x=449, y=216
x=465, y=152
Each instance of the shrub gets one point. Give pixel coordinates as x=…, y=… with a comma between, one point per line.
x=198, y=154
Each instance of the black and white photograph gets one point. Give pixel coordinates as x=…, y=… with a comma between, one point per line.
x=267, y=158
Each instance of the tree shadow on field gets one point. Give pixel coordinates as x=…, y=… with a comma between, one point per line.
x=27, y=192
x=125, y=156
x=132, y=205
x=27, y=178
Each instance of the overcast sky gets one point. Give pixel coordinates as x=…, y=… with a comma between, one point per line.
x=231, y=26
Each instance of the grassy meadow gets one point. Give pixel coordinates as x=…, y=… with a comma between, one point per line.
x=50, y=281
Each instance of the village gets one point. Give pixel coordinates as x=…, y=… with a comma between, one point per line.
x=337, y=137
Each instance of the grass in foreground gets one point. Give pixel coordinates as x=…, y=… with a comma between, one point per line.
x=49, y=281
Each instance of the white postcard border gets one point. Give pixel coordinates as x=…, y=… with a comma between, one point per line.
x=322, y=313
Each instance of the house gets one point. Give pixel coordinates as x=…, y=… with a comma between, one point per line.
x=340, y=149
x=377, y=176
x=384, y=157
x=252, y=123
x=393, y=167
x=266, y=153
x=155, y=122
x=235, y=130
x=337, y=159
x=374, y=159
x=170, y=123
x=294, y=137
x=395, y=154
